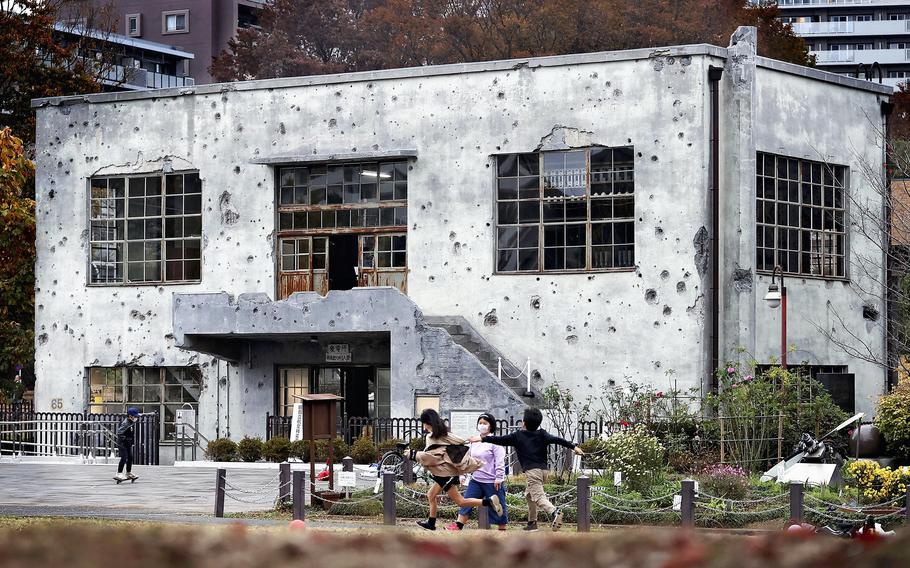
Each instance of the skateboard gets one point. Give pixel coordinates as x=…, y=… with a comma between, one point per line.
x=130, y=479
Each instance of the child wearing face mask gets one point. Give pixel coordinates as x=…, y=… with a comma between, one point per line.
x=487, y=481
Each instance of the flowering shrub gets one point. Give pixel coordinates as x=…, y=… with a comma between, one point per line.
x=893, y=420
x=727, y=481
x=877, y=484
x=637, y=454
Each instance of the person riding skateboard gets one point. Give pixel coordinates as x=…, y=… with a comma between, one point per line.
x=125, y=437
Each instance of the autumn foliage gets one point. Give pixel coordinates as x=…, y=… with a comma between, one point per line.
x=17, y=258
x=302, y=37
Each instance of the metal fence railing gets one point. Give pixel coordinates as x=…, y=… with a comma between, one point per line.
x=76, y=435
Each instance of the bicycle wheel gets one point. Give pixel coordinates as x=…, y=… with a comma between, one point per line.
x=393, y=462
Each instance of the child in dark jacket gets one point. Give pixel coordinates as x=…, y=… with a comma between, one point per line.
x=125, y=438
x=531, y=444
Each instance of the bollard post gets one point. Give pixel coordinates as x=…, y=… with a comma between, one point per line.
x=483, y=518
x=284, y=482
x=583, y=491
x=388, y=497
x=796, y=502
x=407, y=470
x=220, y=478
x=299, y=488
x=687, y=507
x=347, y=464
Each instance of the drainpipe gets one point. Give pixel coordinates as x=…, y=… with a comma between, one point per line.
x=714, y=75
x=887, y=107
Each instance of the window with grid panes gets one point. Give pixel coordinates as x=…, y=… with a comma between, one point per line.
x=150, y=389
x=801, y=217
x=300, y=254
x=343, y=196
x=566, y=211
x=384, y=251
x=145, y=229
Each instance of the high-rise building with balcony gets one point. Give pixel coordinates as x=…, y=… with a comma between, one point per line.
x=845, y=34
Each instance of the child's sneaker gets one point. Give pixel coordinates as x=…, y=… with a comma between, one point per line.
x=132, y=476
x=120, y=477
x=531, y=526
x=426, y=525
x=557, y=519
x=453, y=527
x=497, y=506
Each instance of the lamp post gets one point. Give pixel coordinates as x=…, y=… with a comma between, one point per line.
x=777, y=296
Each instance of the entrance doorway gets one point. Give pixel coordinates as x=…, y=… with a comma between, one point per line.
x=366, y=389
x=343, y=262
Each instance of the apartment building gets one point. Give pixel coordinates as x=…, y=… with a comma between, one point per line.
x=849, y=36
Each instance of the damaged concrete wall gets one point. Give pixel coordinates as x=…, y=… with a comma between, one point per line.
x=421, y=358
x=839, y=126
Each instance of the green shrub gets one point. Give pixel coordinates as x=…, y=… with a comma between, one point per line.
x=339, y=446
x=221, y=450
x=637, y=454
x=363, y=451
x=893, y=420
x=250, y=449
x=300, y=449
x=277, y=449
x=595, y=450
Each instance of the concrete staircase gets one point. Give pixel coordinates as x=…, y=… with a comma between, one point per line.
x=464, y=334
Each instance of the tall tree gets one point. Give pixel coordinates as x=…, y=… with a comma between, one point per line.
x=17, y=260
x=300, y=37
x=39, y=62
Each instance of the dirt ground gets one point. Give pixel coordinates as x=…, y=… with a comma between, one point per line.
x=50, y=543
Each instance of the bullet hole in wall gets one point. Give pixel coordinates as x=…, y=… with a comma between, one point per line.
x=651, y=296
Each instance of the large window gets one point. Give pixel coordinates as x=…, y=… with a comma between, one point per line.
x=565, y=211
x=146, y=229
x=175, y=22
x=801, y=216
x=150, y=389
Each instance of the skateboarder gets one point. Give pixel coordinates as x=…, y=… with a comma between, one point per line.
x=125, y=446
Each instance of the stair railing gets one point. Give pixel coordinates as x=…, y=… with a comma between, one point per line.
x=526, y=370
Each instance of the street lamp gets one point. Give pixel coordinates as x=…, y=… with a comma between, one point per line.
x=777, y=296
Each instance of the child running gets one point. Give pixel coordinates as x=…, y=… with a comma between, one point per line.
x=447, y=457
x=489, y=480
x=531, y=446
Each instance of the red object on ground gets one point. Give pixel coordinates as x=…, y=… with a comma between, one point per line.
x=297, y=524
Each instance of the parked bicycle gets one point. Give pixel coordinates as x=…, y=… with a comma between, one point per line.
x=393, y=460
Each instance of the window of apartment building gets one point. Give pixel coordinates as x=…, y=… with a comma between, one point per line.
x=898, y=74
x=248, y=16
x=838, y=19
x=150, y=389
x=175, y=22
x=899, y=17
x=863, y=18
x=145, y=229
x=134, y=25
x=565, y=211
x=898, y=45
x=800, y=212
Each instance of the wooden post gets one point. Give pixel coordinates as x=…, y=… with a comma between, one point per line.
x=284, y=481
x=780, y=435
x=583, y=491
x=312, y=468
x=299, y=486
x=220, y=478
x=687, y=507
x=720, y=419
x=388, y=497
x=407, y=473
x=483, y=518
x=332, y=465
x=796, y=502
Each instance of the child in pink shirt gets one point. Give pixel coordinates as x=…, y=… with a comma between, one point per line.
x=489, y=480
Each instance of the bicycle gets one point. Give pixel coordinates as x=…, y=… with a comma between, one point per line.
x=393, y=460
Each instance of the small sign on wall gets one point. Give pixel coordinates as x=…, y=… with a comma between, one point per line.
x=463, y=423
x=337, y=353
x=297, y=422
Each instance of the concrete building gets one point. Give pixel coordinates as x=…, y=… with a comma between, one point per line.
x=201, y=27
x=388, y=235
x=845, y=34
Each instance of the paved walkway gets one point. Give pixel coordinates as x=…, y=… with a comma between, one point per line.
x=160, y=489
